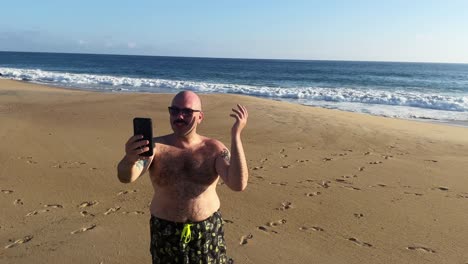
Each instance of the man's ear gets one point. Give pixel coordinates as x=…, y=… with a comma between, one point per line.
x=200, y=117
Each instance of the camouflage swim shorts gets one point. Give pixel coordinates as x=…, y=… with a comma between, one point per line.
x=193, y=242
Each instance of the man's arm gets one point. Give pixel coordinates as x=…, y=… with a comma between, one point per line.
x=232, y=167
x=128, y=171
x=132, y=164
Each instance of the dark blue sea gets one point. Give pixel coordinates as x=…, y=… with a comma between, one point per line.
x=422, y=91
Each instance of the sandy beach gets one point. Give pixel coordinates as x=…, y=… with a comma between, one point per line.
x=325, y=186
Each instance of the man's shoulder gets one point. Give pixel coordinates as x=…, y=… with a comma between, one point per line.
x=162, y=139
x=213, y=143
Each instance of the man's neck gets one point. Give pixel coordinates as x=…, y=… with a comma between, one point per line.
x=187, y=141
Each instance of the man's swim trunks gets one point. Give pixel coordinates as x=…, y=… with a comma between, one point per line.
x=193, y=242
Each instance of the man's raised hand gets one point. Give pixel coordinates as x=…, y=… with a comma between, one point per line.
x=241, y=115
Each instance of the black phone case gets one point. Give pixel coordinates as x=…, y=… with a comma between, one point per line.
x=144, y=126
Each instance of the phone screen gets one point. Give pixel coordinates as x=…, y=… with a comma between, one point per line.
x=144, y=126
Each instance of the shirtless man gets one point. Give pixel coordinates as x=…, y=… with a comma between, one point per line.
x=186, y=225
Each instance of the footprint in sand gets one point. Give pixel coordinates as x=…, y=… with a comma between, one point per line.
x=86, y=213
x=83, y=229
x=29, y=160
x=462, y=195
x=285, y=206
x=314, y=228
x=433, y=161
x=19, y=242
x=387, y=156
x=361, y=168
x=18, y=202
x=312, y=194
x=7, y=191
x=87, y=204
x=367, y=153
x=306, y=181
x=285, y=166
x=126, y=192
x=69, y=164
x=325, y=184
x=282, y=153
x=411, y=193
x=375, y=162
x=422, y=249
x=441, y=188
x=257, y=168
x=351, y=188
x=277, y=223
x=134, y=212
x=53, y=205
x=279, y=183
x=36, y=212
x=272, y=225
x=112, y=210
x=302, y=161
x=343, y=181
x=378, y=185
x=358, y=215
x=327, y=159
x=245, y=239
x=360, y=243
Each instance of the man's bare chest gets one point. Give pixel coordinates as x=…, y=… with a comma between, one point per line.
x=172, y=167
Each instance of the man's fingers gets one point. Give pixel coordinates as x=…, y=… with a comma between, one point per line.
x=134, y=138
x=138, y=144
x=134, y=147
x=242, y=111
x=142, y=150
x=241, y=108
x=246, y=113
x=235, y=116
x=141, y=143
x=239, y=113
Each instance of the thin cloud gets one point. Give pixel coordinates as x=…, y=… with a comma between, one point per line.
x=82, y=42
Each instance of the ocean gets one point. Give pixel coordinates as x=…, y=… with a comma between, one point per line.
x=435, y=92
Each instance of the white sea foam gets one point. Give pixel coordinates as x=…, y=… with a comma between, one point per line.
x=400, y=103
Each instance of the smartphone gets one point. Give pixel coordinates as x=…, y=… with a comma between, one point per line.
x=144, y=126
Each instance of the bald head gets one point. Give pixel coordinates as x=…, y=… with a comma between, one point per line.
x=188, y=99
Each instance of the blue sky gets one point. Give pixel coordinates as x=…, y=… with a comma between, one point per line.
x=425, y=31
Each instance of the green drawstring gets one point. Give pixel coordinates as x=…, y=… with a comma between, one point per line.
x=186, y=235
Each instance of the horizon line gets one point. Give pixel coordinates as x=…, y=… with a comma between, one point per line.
x=233, y=58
